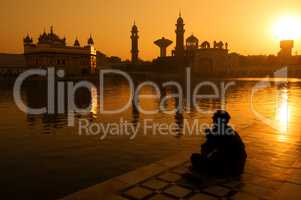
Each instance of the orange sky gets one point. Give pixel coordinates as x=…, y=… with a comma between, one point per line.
x=245, y=25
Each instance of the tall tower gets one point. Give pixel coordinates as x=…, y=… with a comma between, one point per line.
x=134, y=38
x=286, y=47
x=179, y=51
x=163, y=43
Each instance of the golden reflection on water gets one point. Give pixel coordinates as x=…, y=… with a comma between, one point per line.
x=94, y=101
x=283, y=115
x=278, y=104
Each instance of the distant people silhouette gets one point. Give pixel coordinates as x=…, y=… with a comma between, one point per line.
x=223, y=154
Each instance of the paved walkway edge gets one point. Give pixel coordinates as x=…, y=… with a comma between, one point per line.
x=107, y=190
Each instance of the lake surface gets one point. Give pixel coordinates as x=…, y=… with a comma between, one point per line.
x=42, y=158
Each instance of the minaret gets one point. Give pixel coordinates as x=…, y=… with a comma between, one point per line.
x=134, y=38
x=180, y=38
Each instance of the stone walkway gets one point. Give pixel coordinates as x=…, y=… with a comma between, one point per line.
x=273, y=171
x=169, y=185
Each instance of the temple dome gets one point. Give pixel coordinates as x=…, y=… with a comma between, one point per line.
x=27, y=39
x=43, y=37
x=192, y=39
x=76, y=43
x=180, y=20
x=134, y=28
x=163, y=42
x=51, y=38
x=90, y=41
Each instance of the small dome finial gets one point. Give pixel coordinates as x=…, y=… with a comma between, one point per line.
x=180, y=19
x=76, y=42
x=27, y=39
x=90, y=40
x=134, y=27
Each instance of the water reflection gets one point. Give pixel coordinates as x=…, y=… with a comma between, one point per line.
x=94, y=102
x=279, y=103
x=135, y=111
x=179, y=118
x=35, y=97
x=283, y=114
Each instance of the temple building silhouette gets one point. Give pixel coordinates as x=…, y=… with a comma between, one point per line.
x=202, y=57
x=51, y=50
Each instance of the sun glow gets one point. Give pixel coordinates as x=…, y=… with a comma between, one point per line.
x=288, y=28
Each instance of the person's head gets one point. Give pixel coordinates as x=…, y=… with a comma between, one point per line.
x=221, y=117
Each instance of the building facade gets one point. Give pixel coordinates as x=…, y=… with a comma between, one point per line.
x=203, y=57
x=52, y=51
x=11, y=64
x=209, y=59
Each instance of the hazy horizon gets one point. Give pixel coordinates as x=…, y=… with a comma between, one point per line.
x=247, y=27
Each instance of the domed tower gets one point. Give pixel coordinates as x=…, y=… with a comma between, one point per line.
x=134, y=38
x=27, y=40
x=180, y=51
x=76, y=43
x=163, y=43
x=192, y=42
x=90, y=41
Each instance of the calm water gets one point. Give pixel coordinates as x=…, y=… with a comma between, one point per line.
x=42, y=158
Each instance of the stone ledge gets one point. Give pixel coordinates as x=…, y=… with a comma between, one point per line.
x=109, y=188
x=160, y=181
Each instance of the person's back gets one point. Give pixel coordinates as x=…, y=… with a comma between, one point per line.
x=223, y=153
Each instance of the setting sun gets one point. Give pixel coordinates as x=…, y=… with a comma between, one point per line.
x=288, y=28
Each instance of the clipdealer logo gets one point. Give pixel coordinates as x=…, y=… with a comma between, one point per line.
x=58, y=88
x=70, y=87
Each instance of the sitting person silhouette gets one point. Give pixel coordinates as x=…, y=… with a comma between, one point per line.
x=223, y=154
